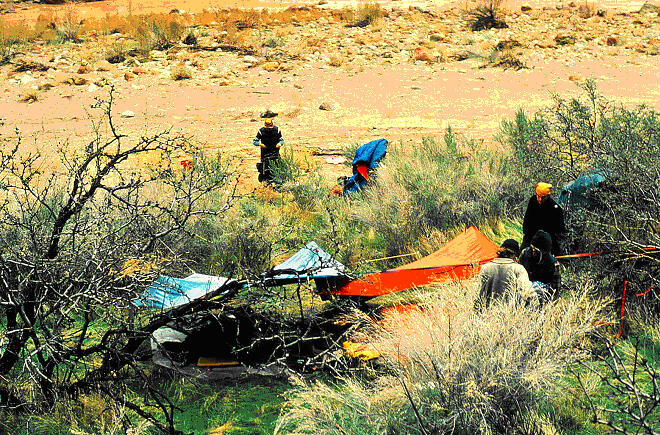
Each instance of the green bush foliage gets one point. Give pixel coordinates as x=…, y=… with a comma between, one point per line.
x=367, y=14
x=437, y=186
x=77, y=246
x=287, y=169
x=618, y=389
x=586, y=134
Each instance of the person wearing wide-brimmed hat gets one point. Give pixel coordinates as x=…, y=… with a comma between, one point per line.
x=269, y=138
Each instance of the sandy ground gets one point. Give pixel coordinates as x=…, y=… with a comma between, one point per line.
x=401, y=102
x=124, y=7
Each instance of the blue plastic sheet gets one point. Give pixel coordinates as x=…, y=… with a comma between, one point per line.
x=369, y=154
x=311, y=262
x=167, y=292
x=576, y=193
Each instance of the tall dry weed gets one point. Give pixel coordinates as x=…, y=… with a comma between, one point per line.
x=452, y=370
x=12, y=35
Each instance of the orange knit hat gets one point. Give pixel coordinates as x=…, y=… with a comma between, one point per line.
x=543, y=189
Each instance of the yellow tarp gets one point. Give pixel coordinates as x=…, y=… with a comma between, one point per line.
x=365, y=352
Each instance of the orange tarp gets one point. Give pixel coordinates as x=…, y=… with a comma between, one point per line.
x=458, y=259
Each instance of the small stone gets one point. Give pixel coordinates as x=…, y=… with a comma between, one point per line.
x=525, y=7
x=62, y=77
x=80, y=81
x=271, y=66
x=438, y=37
x=423, y=56
x=337, y=160
x=127, y=114
x=611, y=41
x=326, y=106
x=84, y=69
x=26, y=78
x=129, y=76
x=565, y=39
x=47, y=85
x=102, y=65
x=575, y=78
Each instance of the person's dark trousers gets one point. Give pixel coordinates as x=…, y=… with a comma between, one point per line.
x=267, y=164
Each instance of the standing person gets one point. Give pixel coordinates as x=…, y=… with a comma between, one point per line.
x=542, y=267
x=269, y=138
x=502, y=274
x=543, y=213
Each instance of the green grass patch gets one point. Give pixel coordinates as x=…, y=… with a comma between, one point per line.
x=246, y=406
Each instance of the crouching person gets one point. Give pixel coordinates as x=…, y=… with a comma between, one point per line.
x=542, y=267
x=503, y=276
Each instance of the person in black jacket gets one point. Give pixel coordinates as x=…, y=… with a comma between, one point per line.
x=542, y=267
x=269, y=138
x=543, y=213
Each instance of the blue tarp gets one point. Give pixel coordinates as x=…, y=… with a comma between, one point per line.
x=576, y=193
x=167, y=292
x=369, y=154
x=311, y=262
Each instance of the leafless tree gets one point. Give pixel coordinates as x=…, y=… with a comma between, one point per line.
x=70, y=224
x=631, y=383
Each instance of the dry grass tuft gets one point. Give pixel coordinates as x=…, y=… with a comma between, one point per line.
x=368, y=13
x=487, y=15
x=507, y=58
x=29, y=96
x=181, y=72
x=587, y=10
x=485, y=372
x=336, y=60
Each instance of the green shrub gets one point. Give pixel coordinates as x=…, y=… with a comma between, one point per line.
x=286, y=169
x=588, y=134
x=158, y=33
x=238, y=243
x=68, y=31
x=437, y=186
x=181, y=72
x=118, y=52
x=274, y=42
x=507, y=58
x=617, y=392
x=8, y=40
